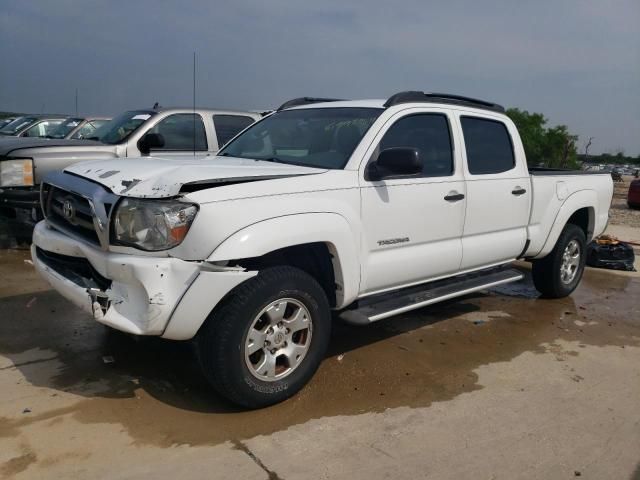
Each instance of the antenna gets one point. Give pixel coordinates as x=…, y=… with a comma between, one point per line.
x=194, y=103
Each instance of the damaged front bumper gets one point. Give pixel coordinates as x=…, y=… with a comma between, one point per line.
x=138, y=294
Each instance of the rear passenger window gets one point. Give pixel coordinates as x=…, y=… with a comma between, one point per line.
x=228, y=126
x=488, y=145
x=178, y=132
x=429, y=133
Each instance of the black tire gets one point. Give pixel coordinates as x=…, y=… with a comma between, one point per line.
x=546, y=272
x=220, y=342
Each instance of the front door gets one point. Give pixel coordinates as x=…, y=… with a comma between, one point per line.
x=183, y=133
x=412, y=227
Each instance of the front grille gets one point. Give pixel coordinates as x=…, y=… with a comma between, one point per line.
x=70, y=212
x=76, y=269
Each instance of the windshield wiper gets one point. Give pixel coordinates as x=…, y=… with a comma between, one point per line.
x=255, y=159
x=270, y=159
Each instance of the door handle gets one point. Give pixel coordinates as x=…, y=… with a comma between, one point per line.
x=454, y=197
x=518, y=191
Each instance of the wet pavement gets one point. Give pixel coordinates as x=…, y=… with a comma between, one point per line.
x=489, y=386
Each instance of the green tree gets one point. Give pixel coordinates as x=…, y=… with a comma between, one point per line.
x=551, y=147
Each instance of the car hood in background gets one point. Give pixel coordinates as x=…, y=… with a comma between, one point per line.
x=9, y=145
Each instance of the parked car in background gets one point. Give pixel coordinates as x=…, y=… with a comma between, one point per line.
x=32, y=126
x=633, y=196
x=5, y=121
x=616, y=175
x=77, y=128
x=173, y=132
x=368, y=208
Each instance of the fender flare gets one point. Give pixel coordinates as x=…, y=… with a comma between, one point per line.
x=573, y=203
x=273, y=234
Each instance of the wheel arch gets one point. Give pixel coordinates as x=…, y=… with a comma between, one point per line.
x=321, y=244
x=578, y=209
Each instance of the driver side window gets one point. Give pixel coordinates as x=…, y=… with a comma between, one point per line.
x=42, y=129
x=429, y=133
x=179, y=134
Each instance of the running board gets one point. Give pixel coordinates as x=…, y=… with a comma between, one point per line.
x=372, y=309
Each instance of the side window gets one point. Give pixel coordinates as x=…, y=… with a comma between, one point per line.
x=42, y=129
x=87, y=129
x=430, y=134
x=178, y=132
x=228, y=126
x=488, y=145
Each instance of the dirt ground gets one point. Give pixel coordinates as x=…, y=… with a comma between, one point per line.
x=621, y=214
x=499, y=385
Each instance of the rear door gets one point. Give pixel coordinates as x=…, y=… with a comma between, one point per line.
x=498, y=191
x=228, y=126
x=412, y=227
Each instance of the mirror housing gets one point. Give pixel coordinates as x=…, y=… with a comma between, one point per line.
x=150, y=141
x=395, y=162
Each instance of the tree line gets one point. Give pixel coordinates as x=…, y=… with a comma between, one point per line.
x=556, y=147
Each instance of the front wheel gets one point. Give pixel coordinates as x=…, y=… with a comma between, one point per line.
x=267, y=339
x=559, y=273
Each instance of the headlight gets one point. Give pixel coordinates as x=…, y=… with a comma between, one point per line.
x=16, y=173
x=152, y=224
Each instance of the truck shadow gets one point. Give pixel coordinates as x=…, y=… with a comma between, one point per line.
x=413, y=360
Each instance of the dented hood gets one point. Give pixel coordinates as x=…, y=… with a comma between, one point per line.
x=153, y=177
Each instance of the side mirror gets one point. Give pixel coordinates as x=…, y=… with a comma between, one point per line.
x=395, y=162
x=150, y=141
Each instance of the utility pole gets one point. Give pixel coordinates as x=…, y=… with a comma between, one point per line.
x=76, y=102
x=194, y=103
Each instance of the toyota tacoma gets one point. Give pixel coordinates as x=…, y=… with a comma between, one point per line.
x=355, y=209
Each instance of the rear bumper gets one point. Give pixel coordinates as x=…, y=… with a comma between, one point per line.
x=25, y=198
x=138, y=294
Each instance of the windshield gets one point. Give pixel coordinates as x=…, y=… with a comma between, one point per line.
x=65, y=128
x=119, y=129
x=17, y=125
x=314, y=137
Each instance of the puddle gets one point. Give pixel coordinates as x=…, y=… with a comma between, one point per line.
x=154, y=392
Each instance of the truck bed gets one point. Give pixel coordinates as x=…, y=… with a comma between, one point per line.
x=558, y=193
x=539, y=171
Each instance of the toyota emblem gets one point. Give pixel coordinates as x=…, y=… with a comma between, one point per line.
x=68, y=210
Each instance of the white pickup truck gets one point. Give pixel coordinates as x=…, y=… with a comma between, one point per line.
x=364, y=208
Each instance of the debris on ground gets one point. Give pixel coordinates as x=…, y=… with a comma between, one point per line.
x=31, y=302
x=340, y=357
x=478, y=322
x=28, y=262
x=108, y=359
x=608, y=252
x=26, y=410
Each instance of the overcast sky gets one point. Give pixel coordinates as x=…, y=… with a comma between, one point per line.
x=578, y=62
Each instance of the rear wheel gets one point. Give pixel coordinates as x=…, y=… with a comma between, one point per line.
x=268, y=338
x=559, y=273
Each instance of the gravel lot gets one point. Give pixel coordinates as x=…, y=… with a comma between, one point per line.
x=621, y=214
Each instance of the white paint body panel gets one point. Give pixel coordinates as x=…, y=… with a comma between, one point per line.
x=252, y=208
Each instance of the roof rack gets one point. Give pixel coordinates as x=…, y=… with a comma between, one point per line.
x=305, y=101
x=420, y=97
